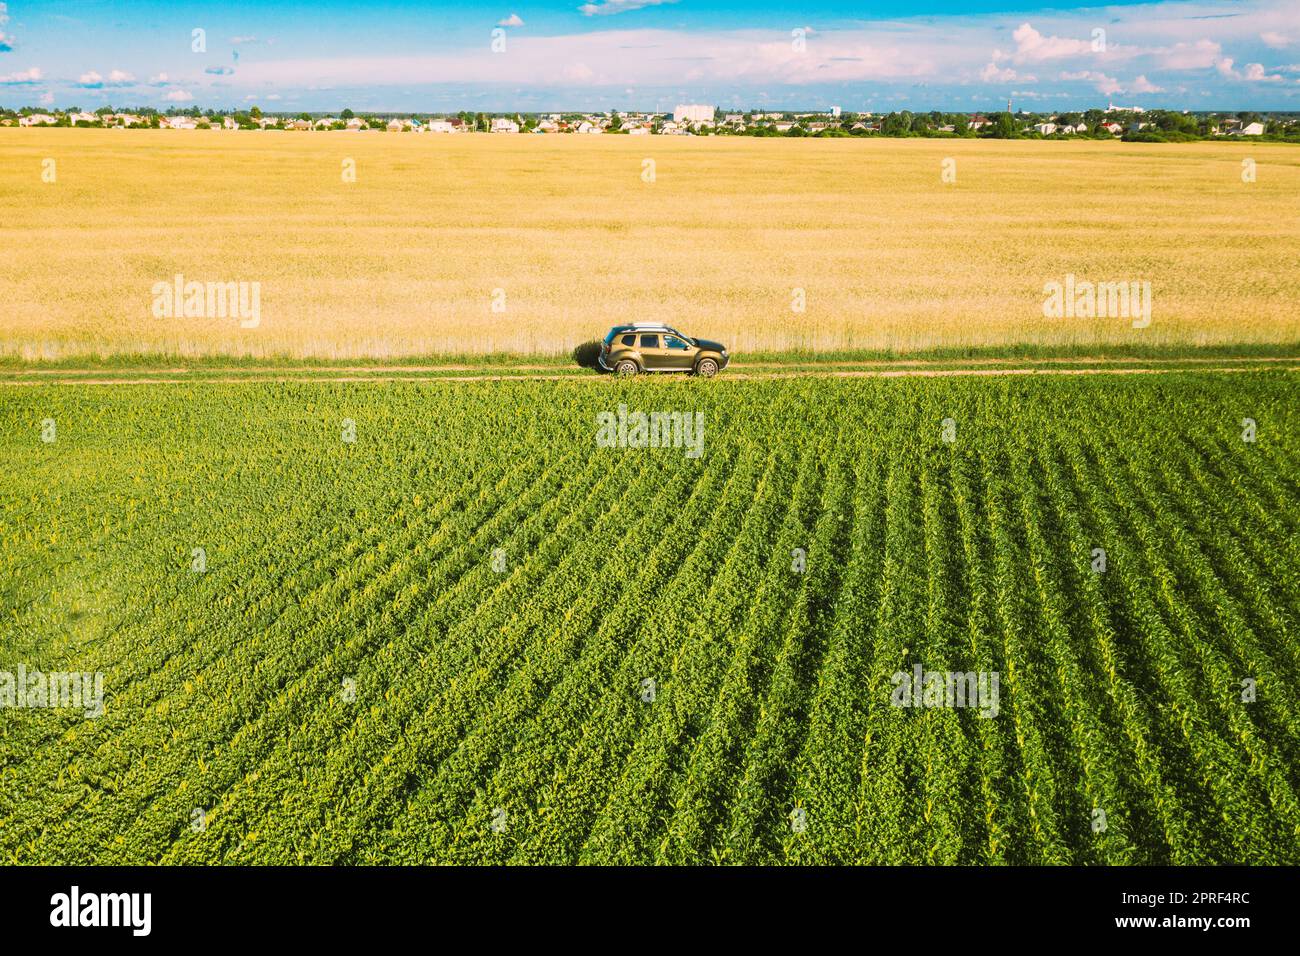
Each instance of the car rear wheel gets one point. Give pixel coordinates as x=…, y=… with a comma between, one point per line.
x=707, y=368
x=626, y=368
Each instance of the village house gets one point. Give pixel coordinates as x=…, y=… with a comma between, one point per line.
x=502, y=125
x=394, y=126
x=693, y=113
x=37, y=119
x=1250, y=129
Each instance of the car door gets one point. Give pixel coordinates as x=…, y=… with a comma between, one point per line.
x=679, y=355
x=652, y=351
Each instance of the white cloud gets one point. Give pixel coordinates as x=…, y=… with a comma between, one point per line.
x=995, y=74
x=1274, y=39
x=1142, y=85
x=602, y=8
x=178, y=96
x=1255, y=74
x=1032, y=46
x=90, y=79
x=1106, y=85
x=120, y=78
x=6, y=41
x=513, y=20
x=638, y=58
x=22, y=78
x=1200, y=55
x=47, y=98
x=158, y=80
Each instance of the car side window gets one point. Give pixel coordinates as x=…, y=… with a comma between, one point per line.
x=649, y=341
x=629, y=340
x=673, y=342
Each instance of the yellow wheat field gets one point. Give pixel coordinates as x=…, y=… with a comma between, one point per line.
x=566, y=236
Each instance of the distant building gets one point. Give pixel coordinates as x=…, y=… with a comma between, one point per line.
x=502, y=125
x=692, y=113
x=1250, y=129
x=835, y=111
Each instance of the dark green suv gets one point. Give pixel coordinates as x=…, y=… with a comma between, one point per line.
x=646, y=347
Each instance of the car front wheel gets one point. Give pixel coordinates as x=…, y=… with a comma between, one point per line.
x=626, y=368
x=707, y=368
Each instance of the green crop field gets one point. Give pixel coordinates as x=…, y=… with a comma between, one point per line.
x=439, y=622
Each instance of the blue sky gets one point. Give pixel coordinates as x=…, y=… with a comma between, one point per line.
x=651, y=54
